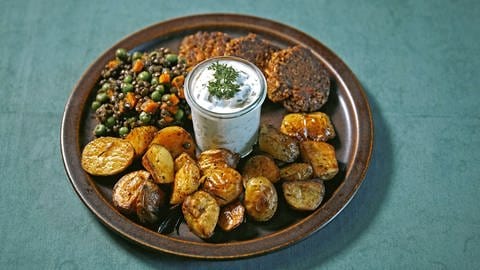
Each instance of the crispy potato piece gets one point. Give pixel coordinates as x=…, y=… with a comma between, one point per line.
x=150, y=200
x=201, y=212
x=261, y=199
x=296, y=172
x=312, y=126
x=187, y=181
x=260, y=165
x=231, y=216
x=127, y=189
x=321, y=156
x=225, y=184
x=159, y=162
x=107, y=156
x=278, y=145
x=304, y=195
x=140, y=138
x=181, y=160
x=176, y=139
x=217, y=158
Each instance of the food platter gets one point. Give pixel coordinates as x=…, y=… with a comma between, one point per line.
x=347, y=106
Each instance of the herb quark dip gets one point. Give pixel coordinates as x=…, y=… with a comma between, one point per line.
x=225, y=95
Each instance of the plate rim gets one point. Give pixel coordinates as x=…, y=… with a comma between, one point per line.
x=90, y=196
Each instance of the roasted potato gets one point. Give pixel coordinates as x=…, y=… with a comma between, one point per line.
x=321, y=156
x=176, y=139
x=224, y=184
x=201, y=212
x=312, y=126
x=149, y=203
x=278, y=145
x=159, y=162
x=217, y=158
x=140, y=138
x=260, y=165
x=126, y=191
x=187, y=181
x=231, y=216
x=304, y=195
x=261, y=198
x=181, y=160
x=107, y=156
x=296, y=172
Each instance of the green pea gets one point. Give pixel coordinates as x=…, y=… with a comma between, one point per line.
x=110, y=121
x=154, y=81
x=137, y=55
x=171, y=58
x=145, y=76
x=127, y=87
x=156, y=95
x=102, y=97
x=131, y=120
x=100, y=130
x=145, y=117
x=160, y=88
x=123, y=131
x=166, y=97
x=128, y=79
x=95, y=105
x=122, y=54
x=105, y=87
x=179, y=115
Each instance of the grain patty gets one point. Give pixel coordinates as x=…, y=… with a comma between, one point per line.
x=203, y=45
x=251, y=48
x=298, y=79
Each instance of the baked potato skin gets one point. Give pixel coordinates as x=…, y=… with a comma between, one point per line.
x=231, y=216
x=149, y=203
x=278, y=145
x=304, y=195
x=201, y=213
x=224, y=184
x=187, y=180
x=296, y=172
x=159, y=162
x=107, y=156
x=217, y=158
x=321, y=156
x=181, y=160
x=127, y=189
x=176, y=139
x=260, y=199
x=260, y=165
x=140, y=138
x=314, y=126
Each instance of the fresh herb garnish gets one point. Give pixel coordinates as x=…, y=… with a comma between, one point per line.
x=224, y=85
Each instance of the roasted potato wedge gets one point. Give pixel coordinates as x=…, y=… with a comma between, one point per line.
x=181, y=160
x=321, y=156
x=149, y=203
x=159, y=162
x=260, y=165
x=278, y=145
x=201, y=212
x=140, y=138
x=296, y=172
x=217, y=158
x=224, y=184
x=176, y=139
x=231, y=216
x=126, y=191
x=261, y=198
x=312, y=126
x=304, y=195
x=187, y=181
x=107, y=156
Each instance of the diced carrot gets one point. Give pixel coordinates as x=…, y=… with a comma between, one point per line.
x=168, y=119
x=178, y=81
x=131, y=99
x=113, y=64
x=181, y=93
x=150, y=106
x=137, y=66
x=121, y=106
x=174, y=99
x=164, y=78
x=110, y=92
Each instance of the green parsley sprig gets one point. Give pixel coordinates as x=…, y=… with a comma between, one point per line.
x=224, y=85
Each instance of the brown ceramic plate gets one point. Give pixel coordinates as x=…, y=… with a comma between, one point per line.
x=348, y=108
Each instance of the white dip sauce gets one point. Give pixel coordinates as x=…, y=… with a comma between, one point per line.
x=226, y=123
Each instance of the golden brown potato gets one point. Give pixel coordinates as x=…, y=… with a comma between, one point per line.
x=321, y=156
x=260, y=165
x=231, y=216
x=217, y=158
x=201, y=212
x=150, y=200
x=312, y=126
x=159, y=162
x=278, y=145
x=261, y=198
x=181, y=160
x=107, y=156
x=187, y=181
x=140, y=138
x=127, y=189
x=304, y=195
x=224, y=184
x=176, y=139
x=296, y=172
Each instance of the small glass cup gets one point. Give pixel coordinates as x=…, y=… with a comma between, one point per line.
x=236, y=131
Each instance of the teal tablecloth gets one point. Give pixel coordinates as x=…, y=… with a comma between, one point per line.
x=418, y=61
